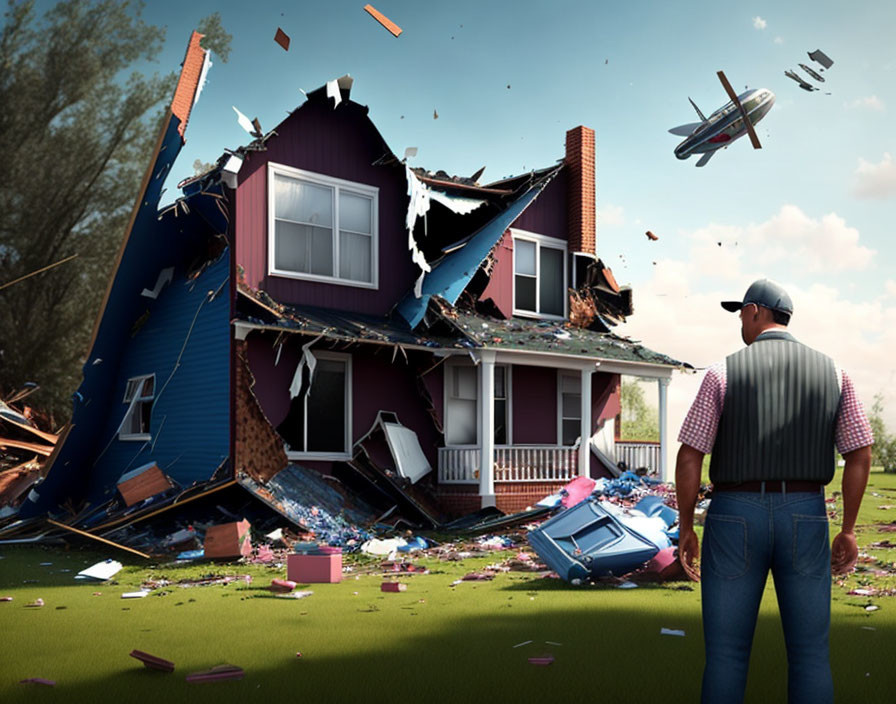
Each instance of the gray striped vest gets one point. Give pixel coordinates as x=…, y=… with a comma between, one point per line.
x=779, y=413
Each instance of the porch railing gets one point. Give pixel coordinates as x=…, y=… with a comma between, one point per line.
x=543, y=463
x=636, y=453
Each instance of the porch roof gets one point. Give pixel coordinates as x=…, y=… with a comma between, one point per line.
x=554, y=337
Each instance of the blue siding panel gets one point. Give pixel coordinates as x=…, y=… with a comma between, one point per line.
x=185, y=343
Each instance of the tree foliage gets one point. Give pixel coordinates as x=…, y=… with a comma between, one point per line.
x=640, y=421
x=883, y=452
x=76, y=130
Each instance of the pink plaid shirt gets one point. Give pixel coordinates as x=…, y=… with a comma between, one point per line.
x=699, y=428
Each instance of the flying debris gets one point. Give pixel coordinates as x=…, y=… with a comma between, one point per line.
x=435, y=114
x=812, y=74
x=383, y=20
x=731, y=121
x=282, y=38
x=805, y=86
x=652, y=237
x=820, y=57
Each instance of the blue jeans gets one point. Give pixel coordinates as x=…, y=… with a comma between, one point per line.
x=746, y=534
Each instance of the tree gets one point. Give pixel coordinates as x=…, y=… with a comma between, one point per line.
x=76, y=131
x=883, y=452
x=639, y=420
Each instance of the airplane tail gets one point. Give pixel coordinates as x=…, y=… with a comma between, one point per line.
x=702, y=116
x=685, y=130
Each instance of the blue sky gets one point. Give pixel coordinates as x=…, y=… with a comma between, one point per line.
x=813, y=208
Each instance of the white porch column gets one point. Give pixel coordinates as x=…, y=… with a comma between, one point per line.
x=487, y=427
x=663, y=383
x=585, y=432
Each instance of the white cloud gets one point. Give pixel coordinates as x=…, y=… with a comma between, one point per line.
x=759, y=23
x=870, y=102
x=876, y=180
x=779, y=40
x=677, y=310
x=790, y=238
x=610, y=215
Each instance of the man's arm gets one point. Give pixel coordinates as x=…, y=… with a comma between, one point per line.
x=688, y=469
x=844, y=550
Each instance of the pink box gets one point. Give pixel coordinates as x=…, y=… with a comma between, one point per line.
x=307, y=569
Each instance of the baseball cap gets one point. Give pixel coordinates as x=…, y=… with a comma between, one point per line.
x=765, y=293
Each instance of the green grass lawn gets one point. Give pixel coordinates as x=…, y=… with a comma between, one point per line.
x=432, y=643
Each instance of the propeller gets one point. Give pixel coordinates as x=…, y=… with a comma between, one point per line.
x=743, y=113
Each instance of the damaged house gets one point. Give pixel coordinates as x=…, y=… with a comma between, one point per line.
x=313, y=304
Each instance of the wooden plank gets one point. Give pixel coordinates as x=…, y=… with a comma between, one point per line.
x=96, y=537
x=383, y=20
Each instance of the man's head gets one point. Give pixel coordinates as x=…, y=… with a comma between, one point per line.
x=765, y=305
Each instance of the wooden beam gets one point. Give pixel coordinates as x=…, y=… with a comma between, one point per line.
x=96, y=537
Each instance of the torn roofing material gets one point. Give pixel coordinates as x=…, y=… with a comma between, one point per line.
x=519, y=334
x=450, y=276
x=192, y=74
x=257, y=309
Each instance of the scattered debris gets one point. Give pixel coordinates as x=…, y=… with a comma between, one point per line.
x=393, y=587
x=136, y=595
x=812, y=74
x=542, y=660
x=152, y=662
x=282, y=38
x=652, y=237
x=35, y=603
x=671, y=632
x=383, y=20
x=220, y=672
x=100, y=571
x=820, y=57
x=38, y=680
x=520, y=645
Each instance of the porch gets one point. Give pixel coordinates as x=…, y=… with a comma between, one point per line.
x=508, y=424
x=537, y=463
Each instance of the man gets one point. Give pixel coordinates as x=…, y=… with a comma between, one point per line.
x=770, y=415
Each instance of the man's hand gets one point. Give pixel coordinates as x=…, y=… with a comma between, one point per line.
x=844, y=553
x=689, y=552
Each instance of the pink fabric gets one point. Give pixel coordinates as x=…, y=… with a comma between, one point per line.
x=577, y=491
x=702, y=421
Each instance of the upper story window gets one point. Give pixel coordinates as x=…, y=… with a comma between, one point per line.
x=139, y=396
x=321, y=228
x=539, y=275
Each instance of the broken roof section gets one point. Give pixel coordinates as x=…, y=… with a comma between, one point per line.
x=552, y=337
x=451, y=275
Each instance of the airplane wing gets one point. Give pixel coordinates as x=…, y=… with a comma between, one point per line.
x=743, y=113
x=685, y=130
x=704, y=160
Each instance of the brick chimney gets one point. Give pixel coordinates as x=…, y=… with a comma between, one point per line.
x=580, y=200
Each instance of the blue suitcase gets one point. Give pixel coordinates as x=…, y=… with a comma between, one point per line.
x=587, y=541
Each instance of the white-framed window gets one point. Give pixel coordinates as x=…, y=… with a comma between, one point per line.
x=569, y=404
x=319, y=422
x=539, y=275
x=502, y=405
x=139, y=395
x=462, y=405
x=322, y=228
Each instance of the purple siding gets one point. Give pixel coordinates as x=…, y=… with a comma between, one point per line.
x=377, y=384
x=380, y=385
x=343, y=144
x=435, y=385
x=605, y=399
x=547, y=215
x=534, y=401
x=500, y=285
